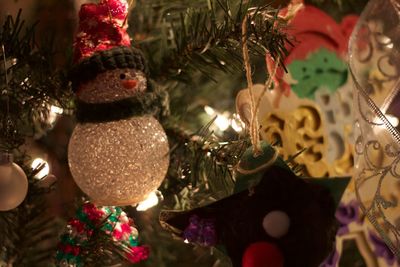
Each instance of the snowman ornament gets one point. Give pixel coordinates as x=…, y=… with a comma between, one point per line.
x=118, y=152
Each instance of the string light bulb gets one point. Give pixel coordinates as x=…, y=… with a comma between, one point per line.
x=225, y=120
x=45, y=169
x=152, y=200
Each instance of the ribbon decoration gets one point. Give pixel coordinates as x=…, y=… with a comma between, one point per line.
x=374, y=66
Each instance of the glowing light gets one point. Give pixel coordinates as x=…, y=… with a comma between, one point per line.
x=237, y=124
x=393, y=120
x=186, y=241
x=209, y=110
x=44, y=171
x=149, y=202
x=222, y=122
x=225, y=120
x=56, y=110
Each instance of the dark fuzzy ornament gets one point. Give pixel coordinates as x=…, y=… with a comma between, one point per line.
x=239, y=217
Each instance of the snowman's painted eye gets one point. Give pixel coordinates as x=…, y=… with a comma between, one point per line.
x=122, y=76
x=276, y=223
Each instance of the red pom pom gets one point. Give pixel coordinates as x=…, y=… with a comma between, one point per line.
x=262, y=254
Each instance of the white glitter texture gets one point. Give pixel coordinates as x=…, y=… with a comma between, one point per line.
x=107, y=87
x=13, y=186
x=120, y=162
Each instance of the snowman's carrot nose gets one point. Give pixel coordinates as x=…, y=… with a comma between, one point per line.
x=129, y=84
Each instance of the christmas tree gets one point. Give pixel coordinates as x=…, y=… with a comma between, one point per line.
x=139, y=124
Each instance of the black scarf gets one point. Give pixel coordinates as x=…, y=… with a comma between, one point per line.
x=154, y=101
x=105, y=112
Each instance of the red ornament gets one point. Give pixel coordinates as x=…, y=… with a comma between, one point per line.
x=126, y=228
x=262, y=254
x=76, y=250
x=312, y=29
x=68, y=249
x=77, y=225
x=93, y=213
x=137, y=254
x=117, y=234
x=101, y=27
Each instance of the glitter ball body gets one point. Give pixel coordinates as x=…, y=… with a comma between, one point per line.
x=119, y=162
x=13, y=186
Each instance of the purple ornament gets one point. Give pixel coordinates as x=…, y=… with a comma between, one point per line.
x=200, y=231
x=381, y=249
x=192, y=231
x=346, y=214
x=208, y=235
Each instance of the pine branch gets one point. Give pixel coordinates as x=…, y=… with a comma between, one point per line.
x=201, y=166
x=205, y=37
x=33, y=83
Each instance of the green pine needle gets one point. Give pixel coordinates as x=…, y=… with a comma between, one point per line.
x=206, y=37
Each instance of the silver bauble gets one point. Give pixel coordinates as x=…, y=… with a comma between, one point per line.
x=13, y=183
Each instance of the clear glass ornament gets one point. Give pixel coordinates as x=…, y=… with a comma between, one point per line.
x=120, y=162
x=375, y=64
x=13, y=183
